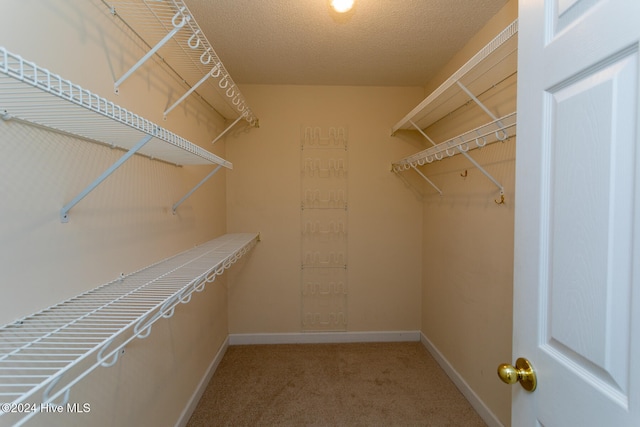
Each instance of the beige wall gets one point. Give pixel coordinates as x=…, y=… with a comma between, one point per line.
x=467, y=256
x=124, y=225
x=416, y=261
x=384, y=225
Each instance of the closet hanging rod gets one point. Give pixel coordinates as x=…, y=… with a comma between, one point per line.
x=170, y=27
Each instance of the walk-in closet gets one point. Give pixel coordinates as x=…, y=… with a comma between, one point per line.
x=190, y=185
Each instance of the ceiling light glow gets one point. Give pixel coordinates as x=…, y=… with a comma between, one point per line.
x=342, y=6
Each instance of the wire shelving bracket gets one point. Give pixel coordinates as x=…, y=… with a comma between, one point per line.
x=42, y=356
x=64, y=212
x=170, y=26
x=176, y=27
x=36, y=96
x=186, y=196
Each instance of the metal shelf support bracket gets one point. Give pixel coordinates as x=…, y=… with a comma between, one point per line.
x=64, y=212
x=227, y=129
x=485, y=109
x=186, y=196
x=415, y=168
x=485, y=173
x=191, y=90
x=176, y=27
x=427, y=179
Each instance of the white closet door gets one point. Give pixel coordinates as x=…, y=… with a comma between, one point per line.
x=577, y=244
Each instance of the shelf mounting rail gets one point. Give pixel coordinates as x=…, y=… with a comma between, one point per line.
x=42, y=356
x=34, y=95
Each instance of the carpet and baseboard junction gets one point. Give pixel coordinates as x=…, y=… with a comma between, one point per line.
x=333, y=379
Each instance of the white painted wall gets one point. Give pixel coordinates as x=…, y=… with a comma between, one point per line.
x=264, y=193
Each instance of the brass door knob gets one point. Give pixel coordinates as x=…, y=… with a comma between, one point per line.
x=523, y=372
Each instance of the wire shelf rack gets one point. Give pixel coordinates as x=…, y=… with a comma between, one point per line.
x=172, y=32
x=45, y=354
x=498, y=130
x=35, y=95
x=493, y=63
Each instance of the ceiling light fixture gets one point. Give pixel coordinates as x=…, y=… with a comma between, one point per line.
x=342, y=6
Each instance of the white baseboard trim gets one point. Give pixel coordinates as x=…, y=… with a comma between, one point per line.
x=339, y=337
x=202, y=385
x=324, y=337
x=485, y=413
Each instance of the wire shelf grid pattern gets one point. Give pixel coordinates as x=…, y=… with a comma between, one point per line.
x=498, y=130
x=35, y=95
x=493, y=63
x=188, y=52
x=69, y=340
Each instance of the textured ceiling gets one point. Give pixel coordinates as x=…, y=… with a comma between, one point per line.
x=302, y=42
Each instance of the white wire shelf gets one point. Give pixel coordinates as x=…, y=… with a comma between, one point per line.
x=45, y=354
x=35, y=95
x=498, y=130
x=171, y=31
x=492, y=64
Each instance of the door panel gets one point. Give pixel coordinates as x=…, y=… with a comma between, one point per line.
x=588, y=285
x=577, y=254
x=565, y=13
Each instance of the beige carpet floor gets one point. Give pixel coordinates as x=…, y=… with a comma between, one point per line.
x=359, y=384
